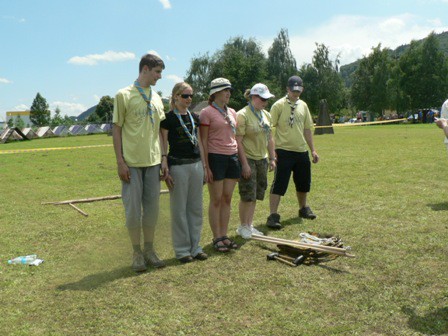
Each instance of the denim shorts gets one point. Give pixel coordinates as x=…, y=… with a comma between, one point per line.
x=254, y=187
x=224, y=166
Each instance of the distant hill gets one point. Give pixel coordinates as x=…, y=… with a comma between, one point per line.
x=86, y=114
x=348, y=69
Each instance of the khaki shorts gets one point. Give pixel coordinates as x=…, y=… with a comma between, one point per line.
x=254, y=188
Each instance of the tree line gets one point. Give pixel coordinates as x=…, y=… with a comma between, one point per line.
x=40, y=114
x=417, y=79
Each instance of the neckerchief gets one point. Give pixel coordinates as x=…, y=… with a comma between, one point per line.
x=225, y=114
x=146, y=99
x=192, y=135
x=265, y=127
x=293, y=107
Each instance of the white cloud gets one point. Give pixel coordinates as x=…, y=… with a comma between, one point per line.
x=21, y=107
x=108, y=56
x=153, y=52
x=96, y=98
x=166, y=4
x=67, y=108
x=5, y=81
x=175, y=78
x=170, y=58
x=354, y=36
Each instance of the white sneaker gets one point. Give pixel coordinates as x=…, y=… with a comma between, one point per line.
x=255, y=231
x=244, y=231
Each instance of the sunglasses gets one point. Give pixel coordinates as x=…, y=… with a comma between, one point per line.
x=262, y=99
x=185, y=96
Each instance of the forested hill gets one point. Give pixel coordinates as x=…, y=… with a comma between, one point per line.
x=348, y=69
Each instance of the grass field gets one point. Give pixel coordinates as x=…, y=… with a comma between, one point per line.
x=383, y=189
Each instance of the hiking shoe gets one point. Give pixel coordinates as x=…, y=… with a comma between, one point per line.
x=306, y=212
x=273, y=221
x=153, y=260
x=138, y=262
x=201, y=256
x=244, y=231
x=255, y=231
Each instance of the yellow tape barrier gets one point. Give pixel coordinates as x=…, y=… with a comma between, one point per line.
x=363, y=123
x=15, y=151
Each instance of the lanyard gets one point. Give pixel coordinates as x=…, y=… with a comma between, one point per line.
x=265, y=127
x=146, y=99
x=192, y=135
x=293, y=107
x=225, y=114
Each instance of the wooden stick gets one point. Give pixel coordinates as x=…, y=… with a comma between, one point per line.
x=281, y=240
x=320, y=248
x=94, y=199
x=78, y=209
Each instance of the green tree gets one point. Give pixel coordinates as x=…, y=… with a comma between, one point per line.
x=322, y=81
x=19, y=123
x=372, y=82
x=241, y=61
x=424, y=77
x=281, y=64
x=39, y=113
x=198, y=76
x=57, y=119
x=10, y=122
x=103, y=111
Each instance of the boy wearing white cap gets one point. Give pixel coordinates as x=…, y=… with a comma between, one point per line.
x=293, y=136
x=255, y=142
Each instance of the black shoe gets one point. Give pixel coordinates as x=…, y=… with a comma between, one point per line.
x=273, y=221
x=152, y=259
x=306, y=212
x=186, y=259
x=201, y=256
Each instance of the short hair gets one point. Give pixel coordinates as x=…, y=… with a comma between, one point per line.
x=178, y=89
x=151, y=61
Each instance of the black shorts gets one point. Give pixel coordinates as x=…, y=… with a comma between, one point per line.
x=297, y=163
x=224, y=166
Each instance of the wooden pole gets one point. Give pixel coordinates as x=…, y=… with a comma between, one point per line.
x=78, y=209
x=93, y=199
x=320, y=248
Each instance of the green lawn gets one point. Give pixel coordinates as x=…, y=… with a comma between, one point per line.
x=383, y=189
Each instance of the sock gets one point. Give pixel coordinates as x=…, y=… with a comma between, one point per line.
x=136, y=248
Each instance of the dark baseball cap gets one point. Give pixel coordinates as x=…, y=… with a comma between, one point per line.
x=295, y=83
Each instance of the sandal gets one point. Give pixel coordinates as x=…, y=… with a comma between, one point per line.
x=231, y=244
x=220, y=247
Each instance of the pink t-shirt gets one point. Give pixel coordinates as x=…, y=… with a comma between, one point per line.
x=221, y=138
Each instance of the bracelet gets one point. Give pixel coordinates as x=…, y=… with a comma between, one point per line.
x=272, y=159
x=163, y=155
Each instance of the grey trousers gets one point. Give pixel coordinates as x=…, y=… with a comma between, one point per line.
x=142, y=193
x=186, y=208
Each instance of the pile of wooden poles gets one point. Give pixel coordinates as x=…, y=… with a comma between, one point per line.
x=339, y=251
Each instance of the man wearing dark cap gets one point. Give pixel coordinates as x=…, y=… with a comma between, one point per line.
x=293, y=136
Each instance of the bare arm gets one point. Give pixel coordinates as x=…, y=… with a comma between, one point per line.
x=164, y=151
x=204, y=139
x=309, y=140
x=271, y=151
x=123, y=169
x=246, y=172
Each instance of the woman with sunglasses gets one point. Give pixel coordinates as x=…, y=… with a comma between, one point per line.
x=180, y=131
x=255, y=142
x=218, y=127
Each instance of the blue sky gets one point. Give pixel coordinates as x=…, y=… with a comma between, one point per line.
x=75, y=51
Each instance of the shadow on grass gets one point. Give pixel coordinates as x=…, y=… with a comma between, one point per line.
x=433, y=323
x=94, y=281
x=439, y=206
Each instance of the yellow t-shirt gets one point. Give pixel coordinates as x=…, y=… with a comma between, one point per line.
x=254, y=137
x=140, y=138
x=287, y=137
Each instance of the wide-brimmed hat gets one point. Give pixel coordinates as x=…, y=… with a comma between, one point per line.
x=219, y=84
x=261, y=90
x=295, y=83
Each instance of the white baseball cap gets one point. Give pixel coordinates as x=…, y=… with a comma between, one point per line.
x=261, y=90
